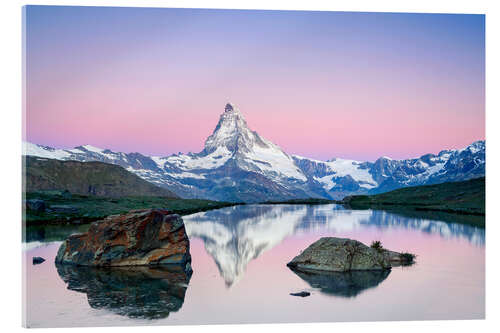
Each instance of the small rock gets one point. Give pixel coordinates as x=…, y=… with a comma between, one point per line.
x=38, y=260
x=36, y=205
x=301, y=294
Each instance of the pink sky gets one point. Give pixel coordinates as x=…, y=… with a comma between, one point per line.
x=321, y=85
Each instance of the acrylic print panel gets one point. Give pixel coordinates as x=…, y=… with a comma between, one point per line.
x=198, y=166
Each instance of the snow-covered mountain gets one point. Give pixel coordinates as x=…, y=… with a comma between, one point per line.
x=237, y=164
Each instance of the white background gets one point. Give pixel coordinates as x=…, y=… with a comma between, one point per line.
x=10, y=153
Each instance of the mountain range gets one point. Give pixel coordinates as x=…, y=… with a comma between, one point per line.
x=237, y=164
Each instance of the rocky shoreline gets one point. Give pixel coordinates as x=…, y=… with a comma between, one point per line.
x=64, y=208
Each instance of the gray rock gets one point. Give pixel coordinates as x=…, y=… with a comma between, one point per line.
x=399, y=259
x=339, y=255
x=38, y=260
x=301, y=294
x=395, y=258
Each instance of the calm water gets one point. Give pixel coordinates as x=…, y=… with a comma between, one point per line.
x=240, y=276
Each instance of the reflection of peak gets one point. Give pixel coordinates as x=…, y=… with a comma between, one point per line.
x=236, y=239
x=233, y=257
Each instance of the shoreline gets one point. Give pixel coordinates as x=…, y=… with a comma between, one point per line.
x=56, y=209
x=97, y=208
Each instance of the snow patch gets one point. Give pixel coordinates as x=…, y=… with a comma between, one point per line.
x=326, y=181
x=192, y=162
x=187, y=175
x=160, y=161
x=93, y=149
x=275, y=161
x=351, y=168
x=31, y=149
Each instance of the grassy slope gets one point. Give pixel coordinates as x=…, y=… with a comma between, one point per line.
x=86, y=178
x=467, y=197
x=91, y=208
x=472, y=220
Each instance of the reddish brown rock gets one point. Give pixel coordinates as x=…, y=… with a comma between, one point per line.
x=138, y=238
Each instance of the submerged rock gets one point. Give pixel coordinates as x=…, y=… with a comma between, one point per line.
x=135, y=292
x=138, y=238
x=301, y=294
x=343, y=284
x=339, y=255
x=38, y=260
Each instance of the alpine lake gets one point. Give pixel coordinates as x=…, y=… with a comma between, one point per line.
x=239, y=257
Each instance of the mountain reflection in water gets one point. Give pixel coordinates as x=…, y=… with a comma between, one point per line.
x=236, y=235
x=344, y=284
x=135, y=292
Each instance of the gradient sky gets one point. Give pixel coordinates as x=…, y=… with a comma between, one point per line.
x=319, y=84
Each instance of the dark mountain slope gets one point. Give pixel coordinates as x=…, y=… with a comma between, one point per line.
x=465, y=197
x=86, y=178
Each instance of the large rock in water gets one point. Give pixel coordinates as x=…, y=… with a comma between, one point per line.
x=138, y=238
x=339, y=255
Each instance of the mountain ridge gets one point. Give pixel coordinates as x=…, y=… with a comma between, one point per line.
x=237, y=164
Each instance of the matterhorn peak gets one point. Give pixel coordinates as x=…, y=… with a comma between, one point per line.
x=232, y=137
x=229, y=131
x=229, y=107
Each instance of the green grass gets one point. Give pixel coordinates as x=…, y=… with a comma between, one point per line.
x=92, y=208
x=411, y=212
x=465, y=198
x=377, y=245
x=408, y=257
